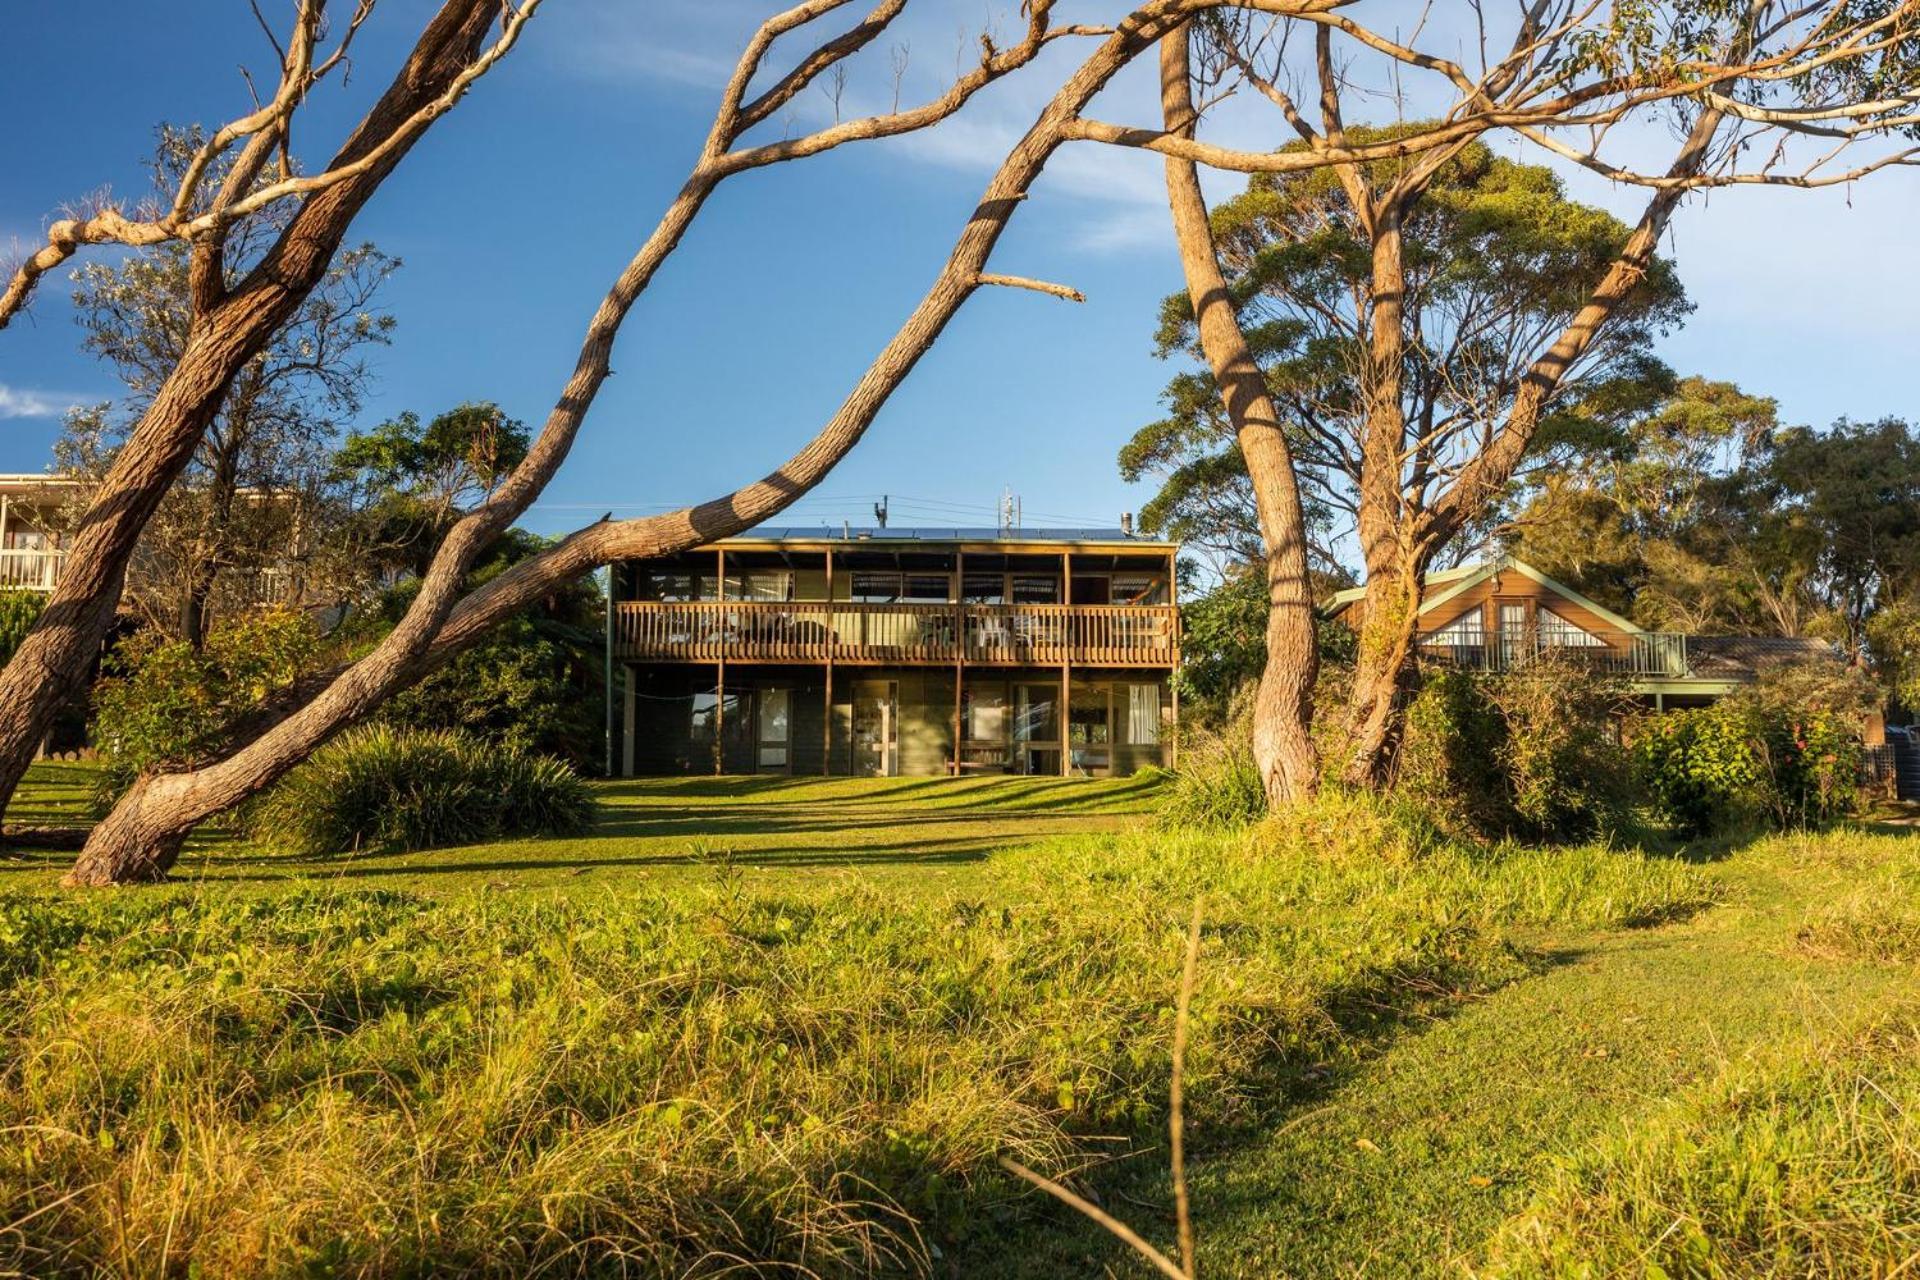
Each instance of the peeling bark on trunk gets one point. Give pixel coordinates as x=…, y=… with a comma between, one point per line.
x=1283, y=745
x=52, y=663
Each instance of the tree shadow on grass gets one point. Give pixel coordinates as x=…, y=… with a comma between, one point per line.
x=1036, y=1238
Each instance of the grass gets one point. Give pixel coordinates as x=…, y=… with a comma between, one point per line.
x=792, y=1022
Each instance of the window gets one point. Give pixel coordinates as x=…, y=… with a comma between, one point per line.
x=1143, y=715
x=774, y=585
x=876, y=588
x=656, y=585
x=927, y=588
x=983, y=713
x=983, y=588
x=775, y=708
x=1556, y=631
x=1464, y=630
x=1029, y=589
x=1137, y=588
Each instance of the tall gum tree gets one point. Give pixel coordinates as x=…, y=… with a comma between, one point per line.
x=230, y=323
x=142, y=836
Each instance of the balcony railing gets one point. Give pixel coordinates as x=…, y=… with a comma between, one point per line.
x=907, y=634
x=30, y=570
x=1660, y=654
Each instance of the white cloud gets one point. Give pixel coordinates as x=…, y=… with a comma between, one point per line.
x=19, y=402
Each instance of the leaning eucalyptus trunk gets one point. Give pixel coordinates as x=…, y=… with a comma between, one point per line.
x=1382, y=670
x=53, y=662
x=132, y=845
x=1283, y=747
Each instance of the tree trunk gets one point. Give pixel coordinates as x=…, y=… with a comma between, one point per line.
x=1390, y=614
x=1283, y=709
x=146, y=829
x=134, y=844
x=53, y=661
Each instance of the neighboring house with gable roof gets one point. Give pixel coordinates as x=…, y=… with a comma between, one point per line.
x=1498, y=615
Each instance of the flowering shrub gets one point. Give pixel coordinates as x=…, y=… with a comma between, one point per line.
x=1749, y=759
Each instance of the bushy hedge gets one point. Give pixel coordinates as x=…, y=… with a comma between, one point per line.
x=19, y=610
x=166, y=705
x=392, y=790
x=1534, y=754
x=1743, y=762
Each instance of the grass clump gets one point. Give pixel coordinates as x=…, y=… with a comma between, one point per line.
x=1879, y=919
x=1806, y=1163
x=388, y=790
x=205, y=1081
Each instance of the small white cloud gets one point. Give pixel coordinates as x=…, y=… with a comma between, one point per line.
x=19, y=402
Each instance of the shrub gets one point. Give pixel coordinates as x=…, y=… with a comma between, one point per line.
x=167, y=705
x=1786, y=753
x=1534, y=754
x=388, y=789
x=19, y=610
x=1218, y=784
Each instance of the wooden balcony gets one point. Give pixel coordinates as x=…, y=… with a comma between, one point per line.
x=1646, y=654
x=22, y=569
x=898, y=634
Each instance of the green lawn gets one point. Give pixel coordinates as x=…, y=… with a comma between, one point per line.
x=744, y=1016
x=923, y=833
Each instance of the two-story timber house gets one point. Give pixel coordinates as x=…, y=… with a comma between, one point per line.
x=882, y=652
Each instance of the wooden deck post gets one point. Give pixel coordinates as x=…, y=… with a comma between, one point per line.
x=606, y=666
x=958, y=592
x=720, y=717
x=833, y=632
x=1173, y=680
x=1066, y=664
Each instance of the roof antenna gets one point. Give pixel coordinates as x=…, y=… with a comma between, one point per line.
x=1009, y=510
x=880, y=511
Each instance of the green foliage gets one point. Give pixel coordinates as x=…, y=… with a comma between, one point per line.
x=534, y=682
x=1223, y=642
x=165, y=705
x=1786, y=753
x=1217, y=785
x=1805, y=1162
x=1495, y=255
x=308, y=1081
x=19, y=610
x=388, y=790
x=1534, y=754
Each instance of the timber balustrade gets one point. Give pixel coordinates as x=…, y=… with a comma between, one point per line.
x=907, y=634
x=1635, y=653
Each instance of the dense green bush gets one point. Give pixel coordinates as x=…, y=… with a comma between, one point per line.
x=1786, y=753
x=19, y=610
x=534, y=682
x=388, y=789
x=1217, y=784
x=166, y=705
x=1534, y=754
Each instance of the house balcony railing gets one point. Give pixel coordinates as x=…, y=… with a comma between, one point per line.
x=904, y=634
x=37, y=569
x=1649, y=654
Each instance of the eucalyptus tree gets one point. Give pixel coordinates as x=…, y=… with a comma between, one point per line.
x=1742, y=77
x=239, y=297
x=251, y=505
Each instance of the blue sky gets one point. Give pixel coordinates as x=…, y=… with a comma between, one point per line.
x=517, y=210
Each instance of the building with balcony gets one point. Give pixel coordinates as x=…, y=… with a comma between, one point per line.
x=1499, y=615
x=30, y=524
x=883, y=652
